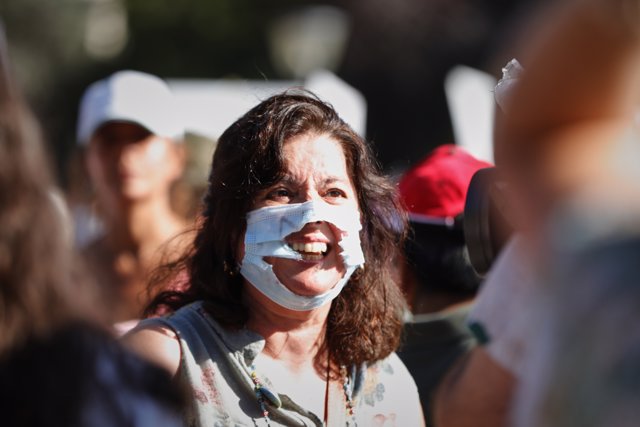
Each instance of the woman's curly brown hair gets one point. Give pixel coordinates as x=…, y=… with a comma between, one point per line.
x=365, y=320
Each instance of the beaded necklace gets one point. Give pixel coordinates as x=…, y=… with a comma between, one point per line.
x=264, y=395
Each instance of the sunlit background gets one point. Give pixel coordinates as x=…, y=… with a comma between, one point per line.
x=395, y=57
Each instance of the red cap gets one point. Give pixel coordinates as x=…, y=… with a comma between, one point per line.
x=435, y=189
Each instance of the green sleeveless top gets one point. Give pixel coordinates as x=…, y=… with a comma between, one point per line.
x=216, y=365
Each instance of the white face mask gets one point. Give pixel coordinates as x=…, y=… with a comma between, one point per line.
x=266, y=231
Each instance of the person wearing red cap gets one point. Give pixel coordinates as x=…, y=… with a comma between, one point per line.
x=437, y=276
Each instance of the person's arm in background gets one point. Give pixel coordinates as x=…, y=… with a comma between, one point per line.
x=476, y=392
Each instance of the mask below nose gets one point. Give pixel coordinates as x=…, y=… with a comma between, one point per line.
x=267, y=229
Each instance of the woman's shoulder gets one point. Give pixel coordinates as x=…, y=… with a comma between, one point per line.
x=161, y=339
x=390, y=369
x=388, y=391
x=157, y=342
x=381, y=380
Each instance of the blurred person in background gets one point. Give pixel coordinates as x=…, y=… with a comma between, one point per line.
x=59, y=363
x=133, y=137
x=283, y=322
x=583, y=370
x=561, y=146
x=437, y=276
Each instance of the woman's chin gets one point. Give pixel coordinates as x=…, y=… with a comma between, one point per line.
x=311, y=285
x=308, y=278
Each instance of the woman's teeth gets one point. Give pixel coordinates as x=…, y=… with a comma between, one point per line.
x=314, y=248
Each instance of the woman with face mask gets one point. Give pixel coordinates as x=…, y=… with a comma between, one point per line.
x=282, y=324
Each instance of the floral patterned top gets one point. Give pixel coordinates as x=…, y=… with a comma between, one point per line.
x=216, y=363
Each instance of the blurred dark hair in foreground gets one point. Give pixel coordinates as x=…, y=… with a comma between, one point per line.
x=58, y=364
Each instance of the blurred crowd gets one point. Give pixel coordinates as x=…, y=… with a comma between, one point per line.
x=303, y=286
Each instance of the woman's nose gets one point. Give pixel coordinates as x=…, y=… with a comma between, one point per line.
x=310, y=196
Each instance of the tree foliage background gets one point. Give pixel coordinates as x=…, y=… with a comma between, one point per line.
x=397, y=55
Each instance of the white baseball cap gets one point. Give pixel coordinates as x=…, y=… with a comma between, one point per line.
x=133, y=97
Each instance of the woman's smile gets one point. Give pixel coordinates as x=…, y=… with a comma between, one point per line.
x=316, y=171
x=313, y=251
x=312, y=247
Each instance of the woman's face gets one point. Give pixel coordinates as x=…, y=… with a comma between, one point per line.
x=128, y=163
x=315, y=170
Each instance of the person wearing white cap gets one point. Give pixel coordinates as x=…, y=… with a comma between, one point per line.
x=132, y=135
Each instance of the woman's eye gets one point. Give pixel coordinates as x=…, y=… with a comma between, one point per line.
x=279, y=194
x=336, y=193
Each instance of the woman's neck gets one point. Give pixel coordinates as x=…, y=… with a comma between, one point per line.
x=294, y=358
x=290, y=336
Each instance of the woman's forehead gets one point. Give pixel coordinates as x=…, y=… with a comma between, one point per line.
x=316, y=151
x=319, y=157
